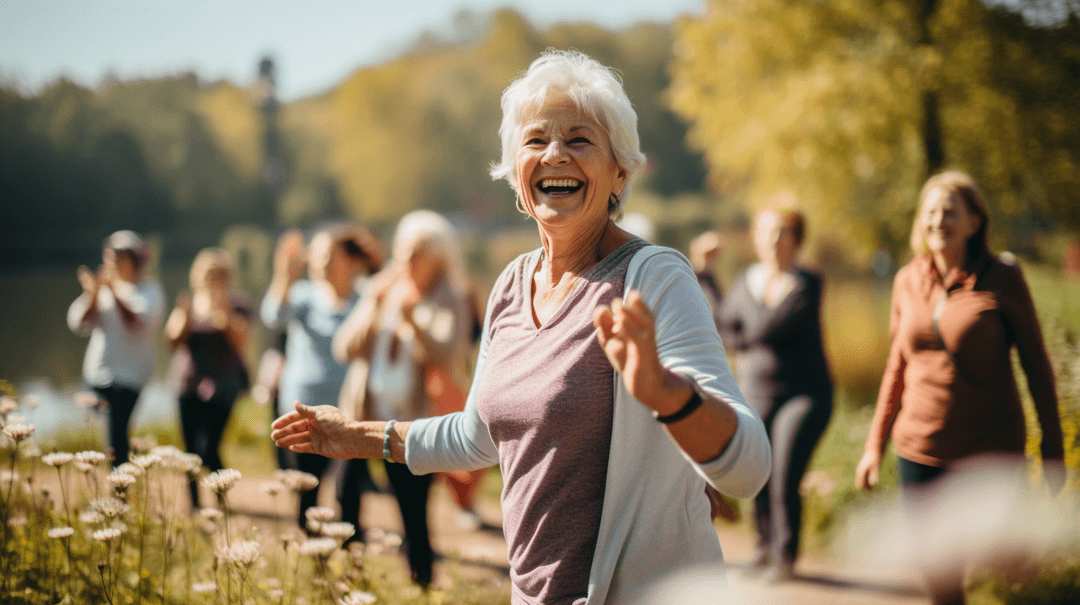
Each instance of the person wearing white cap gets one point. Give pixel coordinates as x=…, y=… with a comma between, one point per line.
x=120, y=310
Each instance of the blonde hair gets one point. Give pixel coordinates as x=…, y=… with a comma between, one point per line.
x=207, y=260
x=432, y=232
x=962, y=186
x=595, y=89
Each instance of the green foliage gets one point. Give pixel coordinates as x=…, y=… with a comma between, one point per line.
x=826, y=100
x=184, y=158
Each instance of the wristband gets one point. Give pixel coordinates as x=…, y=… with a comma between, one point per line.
x=386, y=441
x=688, y=408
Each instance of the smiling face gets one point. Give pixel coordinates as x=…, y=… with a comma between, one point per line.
x=947, y=222
x=565, y=167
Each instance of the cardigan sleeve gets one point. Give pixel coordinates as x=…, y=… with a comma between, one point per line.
x=892, y=381
x=687, y=343
x=1024, y=328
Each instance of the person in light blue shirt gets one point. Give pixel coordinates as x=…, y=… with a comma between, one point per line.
x=311, y=311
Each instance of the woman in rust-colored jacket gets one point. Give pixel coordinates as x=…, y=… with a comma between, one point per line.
x=948, y=392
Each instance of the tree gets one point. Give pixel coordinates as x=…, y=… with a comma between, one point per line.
x=851, y=103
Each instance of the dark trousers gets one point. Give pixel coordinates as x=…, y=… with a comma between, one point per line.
x=353, y=478
x=411, y=492
x=121, y=402
x=316, y=465
x=794, y=425
x=946, y=586
x=203, y=423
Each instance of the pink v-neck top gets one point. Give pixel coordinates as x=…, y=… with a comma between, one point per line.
x=547, y=397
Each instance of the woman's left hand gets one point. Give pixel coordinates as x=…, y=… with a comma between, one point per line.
x=626, y=331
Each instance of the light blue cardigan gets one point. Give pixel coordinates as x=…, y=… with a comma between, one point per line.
x=655, y=519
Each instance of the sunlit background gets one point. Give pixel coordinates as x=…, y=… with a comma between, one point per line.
x=203, y=123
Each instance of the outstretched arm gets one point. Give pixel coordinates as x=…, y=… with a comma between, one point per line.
x=325, y=431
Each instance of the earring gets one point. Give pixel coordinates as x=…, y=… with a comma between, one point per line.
x=613, y=203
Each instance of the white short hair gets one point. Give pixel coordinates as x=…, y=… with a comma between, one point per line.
x=594, y=88
x=431, y=230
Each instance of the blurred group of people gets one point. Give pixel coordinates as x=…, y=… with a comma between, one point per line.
x=601, y=388
x=378, y=337
x=948, y=396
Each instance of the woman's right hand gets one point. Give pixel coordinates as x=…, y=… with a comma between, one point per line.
x=866, y=472
x=321, y=430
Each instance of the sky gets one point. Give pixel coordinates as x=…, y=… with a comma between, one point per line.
x=315, y=43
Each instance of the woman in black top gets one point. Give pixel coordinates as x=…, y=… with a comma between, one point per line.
x=772, y=317
x=208, y=331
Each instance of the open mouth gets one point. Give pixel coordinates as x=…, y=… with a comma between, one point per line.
x=560, y=186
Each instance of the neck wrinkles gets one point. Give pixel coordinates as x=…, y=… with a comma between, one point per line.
x=571, y=253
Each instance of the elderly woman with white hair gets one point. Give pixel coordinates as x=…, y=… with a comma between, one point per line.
x=413, y=318
x=601, y=387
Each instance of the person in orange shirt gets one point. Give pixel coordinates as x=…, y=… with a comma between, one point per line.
x=948, y=393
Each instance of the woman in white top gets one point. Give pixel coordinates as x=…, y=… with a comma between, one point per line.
x=120, y=310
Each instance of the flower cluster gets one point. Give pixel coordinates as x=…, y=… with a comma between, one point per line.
x=318, y=547
x=241, y=552
x=107, y=535
x=61, y=532
x=57, y=458
x=19, y=431
x=298, y=481
x=221, y=481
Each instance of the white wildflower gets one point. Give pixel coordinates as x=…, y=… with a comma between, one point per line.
x=359, y=597
x=61, y=532
x=275, y=593
x=109, y=507
x=8, y=477
x=313, y=526
x=18, y=521
x=129, y=469
x=320, y=513
x=121, y=480
x=165, y=451
x=8, y=404
x=203, y=587
x=31, y=401
x=86, y=399
x=91, y=517
x=19, y=431
x=191, y=463
x=207, y=527
x=211, y=514
x=273, y=582
x=84, y=467
x=341, y=531
x=145, y=462
x=318, y=547
x=90, y=457
x=221, y=481
x=297, y=480
x=107, y=535
x=240, y=552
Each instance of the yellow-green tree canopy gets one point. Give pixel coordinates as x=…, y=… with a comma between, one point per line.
x=828, y=100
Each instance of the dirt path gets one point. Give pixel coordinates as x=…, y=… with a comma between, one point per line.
x=481, y=554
